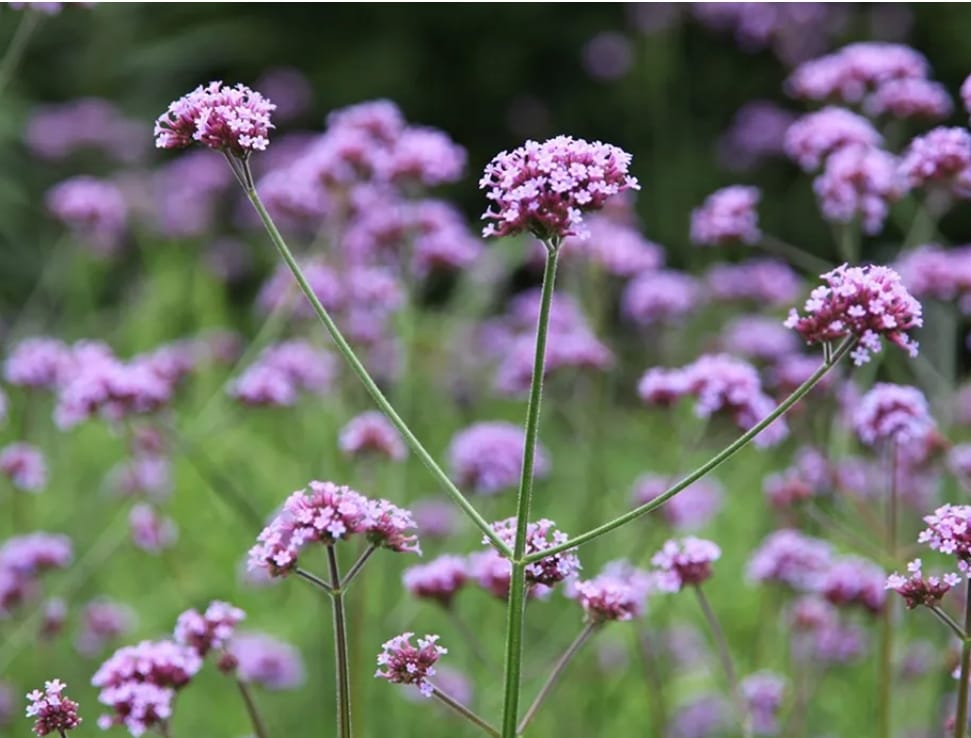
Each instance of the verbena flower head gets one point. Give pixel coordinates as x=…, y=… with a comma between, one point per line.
x=690, y=509
x=661, y=296
x=544, y=188
x=618, y=248
x=859, y=182
x=949, y=531
x=727, y=216
x=386, y=526
x=541, y=535
x=372, y=433
x=762, y=281
x=910, y=98
x=23, y=464
x=400, y=662
x=817, y=135
x=492, y=572
x=916, y=589
x=151, y=531
x=38, y=363
x=758, y=337
x=488, y=457
x=764, y=692
x=95, y=209
x=264, y=660
x=101, y=621
x=53, y=712
x=684, y=562
x=617, y=593
x=439, y=580
x=941, y=273
x=756, y=133
x=863, y=302
x=942, y=155
x=792, y=558
x=235, y=120
x=210, y=630
x=853, y=580
x=892, y=412
x=56, y=131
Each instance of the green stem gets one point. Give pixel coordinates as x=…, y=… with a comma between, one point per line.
x=357, y=566
x=558, y=669
x=517, y=590
x=18, y=45
x=949, y=622
x=716, y=461
x=251, y=710
x=464, y=711
x=961, y=721
x=340, y=648
x=313, y=579
x=361, y=372
x=802, y=259
x=848, y=241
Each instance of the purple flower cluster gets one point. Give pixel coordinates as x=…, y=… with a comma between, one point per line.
x=683, y=563
x=618, y=593
x=690, y=509
x=235, y=120
x=764, y=693
x=661, y=296
x=852, y=580
x=440, y=579
x=326, y=513
x=400, y=662
x=138, y=683
x=816, y=135
x=938, y=272
x=792, y=558
x=859, y=182
x=23, y=464
x=759, y=337
x=57, y=131
x=94, y=209
x=615, y=246
x=892, y=413
x=940, y=157
x=487, y=457
x=760, y=281
x=102, y=621
x=151, y=531
x=540, y=536
x=719, y=383
x=38, y=363
x=543, y=188
x=371, y=433
x=757, y=132
x=863, y=302
x=809, y=476
x=52, y=711
x=910, y=97
x=23, y=559
x=727, y=216
x=281, y=372
x=916, y=589
x=210, y=630
x=264, y=660
x=949, y=531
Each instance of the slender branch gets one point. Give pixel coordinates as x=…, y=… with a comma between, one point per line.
x=588, y=630
x=961, y=720
x=716, y=461
x=516, y=613
x=802, y=259
x=258, y=727
x=357, y=566
x=365, y=378
x=314, y=579
x=340, y=647
x=949, y=622
x=464, y=711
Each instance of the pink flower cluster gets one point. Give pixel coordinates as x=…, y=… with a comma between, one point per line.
x=400, y=662
x=94, y=209
x=38, y=363
x=326, y=513
x=916, y=589
x=281, y=372
x=440, y=579
x=852, y=580
x=762, y=281
x=101, y=621
x=662, y=296
x=617, y=247
x=210, y=630
x=949, y=531
x=235, y=120
x=683, y=563
x=264, y=660
x=910, y=97
x=863, y=302
x=151, y=531
x=23, y=464
x=371, y=433
x=809, y=476
x=791, y=558
x=764, y=694
x=720, y=383
x=540, y=536
x=56, y=131
x=618, y=593
x=52, y=711
x=859, y=182
x=816, y=135
x=23, y=559
x=940, y=157
x=487, y=457
x=938, y=272
x=757, y=132
x=727, y=216
x=892, y=412
x=544, y=188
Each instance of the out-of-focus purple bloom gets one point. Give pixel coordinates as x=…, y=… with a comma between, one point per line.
x=493, y=572
x=848, y=74
x=38, y=363
x=423, y=155
x=727, y=216
x=684, y=562
x=372, y=433
x=53, y=618
x=937, y=272
x=266, y=661
x=892, y=412
x=23, y=464
x=809, y=476
x=758, y=337
x=607, y=56
x=702, y=717
x=439, y=580
x=817, y=135
x=763, y=693
x=910, y=97
x=282, y=371
x=53, y=712
x=143, y=475
x=101, y=622
x=853, y=580
x=618, y=248
x=618, y=593
x=863, y=302
x=759, y=280
x=916, y=589
x=289, y=89
x=150, y=530
x=209, y=630
x=544, y=188
x=56, y=131
x=661, y=296
x=540, y=536
x=757, y=132
x=435, y=517
x=441, y=242
x=186, y=193
x=401, y=663
x=577, y=349
x=789, y=372
x=859, y=182
x=94, y=209
x=690, y=509
x=959, y=461
x=941, y=156
x=791, y=558
x=487, y=457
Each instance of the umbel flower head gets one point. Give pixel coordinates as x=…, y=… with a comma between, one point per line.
x=404, y=664
x=234, y=120
x=916, y=589
x=544, y=188
x=864, y=302
x=949, y=531
x=684, y=562
x=540, y=536
x=209, y=630
x=51, y=710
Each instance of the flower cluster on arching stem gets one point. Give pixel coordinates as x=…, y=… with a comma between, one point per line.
x=400, y=662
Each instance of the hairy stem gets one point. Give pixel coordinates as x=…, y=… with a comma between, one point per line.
x=961, y=720
x=314, y=579
x=340, y=648
x=558, y=669
x=254, y=715
x=357, y=566
x=949, y=622
x=361, y=372
x=464, y=711
x=517, y=589
x=716, y=461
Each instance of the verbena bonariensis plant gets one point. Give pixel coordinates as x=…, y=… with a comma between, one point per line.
x=549, y=191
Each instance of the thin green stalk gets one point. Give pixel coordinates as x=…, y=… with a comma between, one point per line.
x=516, y=613
x=18, y=45
x=949, y=622
x=360, y=371
x=340, y=648
x=588, y=630
x=464, y=711
x=258, y=727
x=802, y=259
x=716, y=461
x=886, y=630
x=848, y=241
x=961, y=721
x=721, y=645
x=357, y=566
x=314, y=580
